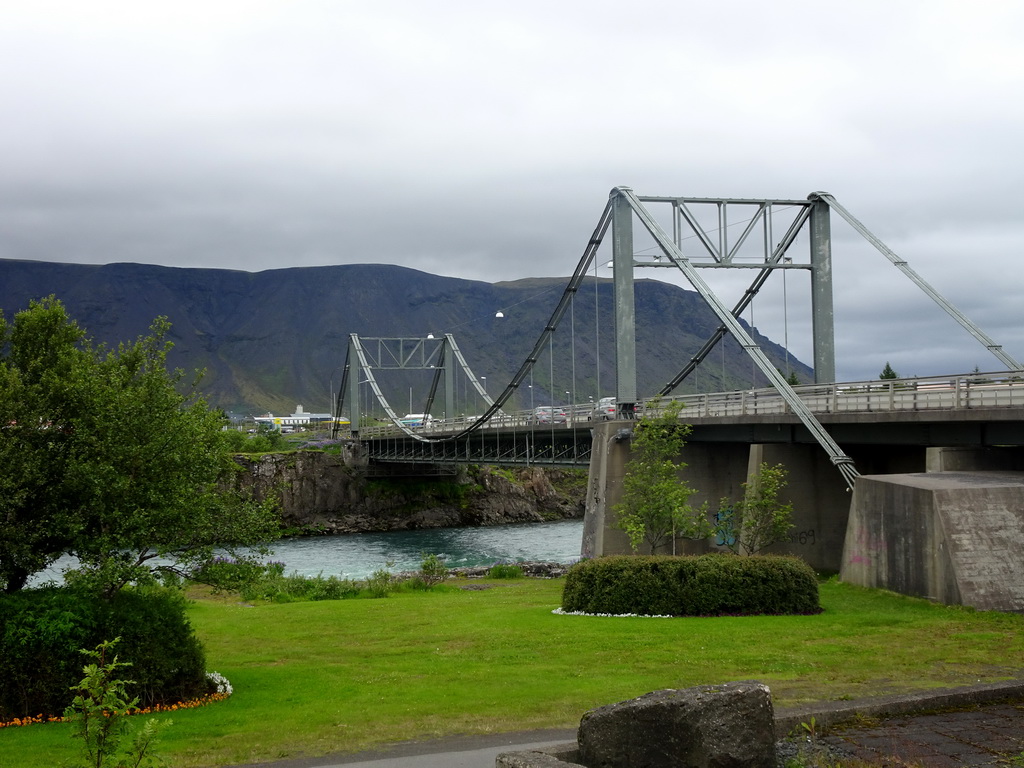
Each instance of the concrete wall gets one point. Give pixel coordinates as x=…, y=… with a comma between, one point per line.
x=714, y=470
x=717, y=470
x=820, y=499
x=965, y=459
x=953, y=537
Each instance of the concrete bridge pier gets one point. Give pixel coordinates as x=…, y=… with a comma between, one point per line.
x=714, y=470
x=718, y=470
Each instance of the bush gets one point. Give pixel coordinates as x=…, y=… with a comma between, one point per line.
x=43, y=630
x=505, y=571
x=380, y=583
x=231, y=575
x=168, y=663
x=275, y=586
x=709, y=585
x=433, y=570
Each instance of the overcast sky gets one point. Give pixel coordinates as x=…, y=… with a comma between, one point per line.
x=480, y=140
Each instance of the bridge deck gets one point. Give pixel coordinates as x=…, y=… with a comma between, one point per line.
x=973, y=409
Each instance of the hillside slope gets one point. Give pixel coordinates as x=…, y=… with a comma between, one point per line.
x=271, y=340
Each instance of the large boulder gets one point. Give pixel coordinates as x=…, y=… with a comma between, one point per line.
x=710, y=726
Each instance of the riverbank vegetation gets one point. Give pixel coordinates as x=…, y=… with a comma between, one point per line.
x=314, y=678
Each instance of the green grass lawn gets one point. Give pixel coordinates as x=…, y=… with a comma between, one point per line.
x=321, y=677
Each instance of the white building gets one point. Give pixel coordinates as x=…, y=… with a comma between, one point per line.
x=298, y=419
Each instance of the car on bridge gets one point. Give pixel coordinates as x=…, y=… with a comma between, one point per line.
x=549, y=415
x=604, y=410
x=413, y=420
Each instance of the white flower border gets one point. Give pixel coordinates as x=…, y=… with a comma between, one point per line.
x=560, y=612
x=220, y=682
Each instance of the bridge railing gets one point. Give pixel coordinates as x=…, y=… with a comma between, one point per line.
x=968, y=391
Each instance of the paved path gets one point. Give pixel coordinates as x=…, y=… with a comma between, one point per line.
x=988, y=735
x=454, y=752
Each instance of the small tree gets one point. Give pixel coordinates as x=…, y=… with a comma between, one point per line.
x=759, y=519
x=791, y=377
x=655, y=504
x=433, y=570
x=98, y=715
x=888, y=372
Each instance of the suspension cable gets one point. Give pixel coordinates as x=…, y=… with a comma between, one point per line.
x=920, y=282
x=570, y=290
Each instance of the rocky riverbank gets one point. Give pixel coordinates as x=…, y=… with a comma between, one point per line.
x=322, y=493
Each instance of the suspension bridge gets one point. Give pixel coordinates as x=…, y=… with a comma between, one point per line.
x=935, y=465
x=758, y=236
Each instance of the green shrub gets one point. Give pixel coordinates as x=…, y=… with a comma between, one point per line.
x=380, y=583
x=709, y=585
x=414, y=584
x=168, y=661
x=229, y=574
x=43, y=630
x=333, y=588
x=275, y=586
x=432, y=570
x=505, y=571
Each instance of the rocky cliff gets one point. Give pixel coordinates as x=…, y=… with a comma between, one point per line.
x=321, y=493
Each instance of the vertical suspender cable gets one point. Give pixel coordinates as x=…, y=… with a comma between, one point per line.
x=571, y=416
x=551, y=387
x=597, y=331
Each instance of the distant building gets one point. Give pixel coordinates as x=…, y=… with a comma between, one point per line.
x=298, y=419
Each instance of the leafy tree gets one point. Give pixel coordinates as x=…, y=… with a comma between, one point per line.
x=41, y=369
x=791, y=377
x=759, y=519
x=655, y=504
x=270, y=436
x=266, y=439
x=888, y=372
x=110, y=457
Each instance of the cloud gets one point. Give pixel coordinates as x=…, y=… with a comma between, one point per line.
x=481, y=141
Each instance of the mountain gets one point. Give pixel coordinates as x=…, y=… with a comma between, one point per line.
x=270, y=340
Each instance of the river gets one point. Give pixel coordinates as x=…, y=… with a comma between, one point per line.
x=357, y=555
